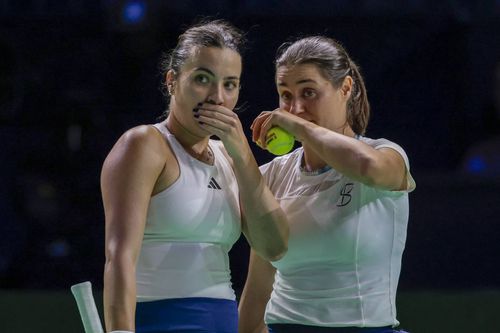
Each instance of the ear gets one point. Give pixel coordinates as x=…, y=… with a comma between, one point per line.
x=170, y=76
x=170, y=81
x=346, y=88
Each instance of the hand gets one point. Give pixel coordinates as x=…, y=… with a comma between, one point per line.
x=267, y=119
x=225, y=124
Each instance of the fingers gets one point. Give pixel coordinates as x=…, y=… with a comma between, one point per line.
x=217, y=119
x=262, y=124
x=256, y=126
x=266, y=126
x=225, y=124
x=215, y=109
x=212, y=129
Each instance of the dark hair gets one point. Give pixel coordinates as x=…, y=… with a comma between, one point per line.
x=334, y=64
x=216, y=33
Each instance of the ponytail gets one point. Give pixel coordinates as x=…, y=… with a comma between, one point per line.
x=358, y=107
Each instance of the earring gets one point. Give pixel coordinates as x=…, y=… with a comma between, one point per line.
x=170, y=89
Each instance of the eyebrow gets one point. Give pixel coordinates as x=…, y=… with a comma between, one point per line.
x=213, y=74
x=283, y=84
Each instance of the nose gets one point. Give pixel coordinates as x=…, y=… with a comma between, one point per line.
x=296, y=107
x=216, y=95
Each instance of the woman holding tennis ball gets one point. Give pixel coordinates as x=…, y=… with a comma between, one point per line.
x=345, y=197
x=176, y=201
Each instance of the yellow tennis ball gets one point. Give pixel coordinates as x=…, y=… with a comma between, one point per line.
x=279, y=141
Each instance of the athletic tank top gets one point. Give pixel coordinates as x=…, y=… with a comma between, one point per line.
x=190, y=228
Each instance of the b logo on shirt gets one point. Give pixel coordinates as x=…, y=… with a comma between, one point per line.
x=345, y=194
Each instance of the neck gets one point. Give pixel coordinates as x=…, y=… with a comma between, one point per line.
x=345, y=130
x=311, y=161
x=192, y=143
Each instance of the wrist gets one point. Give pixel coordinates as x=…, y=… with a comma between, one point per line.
x=304, y=129
x=121, y=331
x=243, y=158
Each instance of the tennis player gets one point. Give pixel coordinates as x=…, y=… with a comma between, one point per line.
x=176, y=201
x=346, y=199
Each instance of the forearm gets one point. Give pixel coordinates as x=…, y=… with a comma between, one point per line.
x=265, y=224
x=267, y=234
x=347, y=155
x=119, y=295
x=255, y=295
x=251, y=314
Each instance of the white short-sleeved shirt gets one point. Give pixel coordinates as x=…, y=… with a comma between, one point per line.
x=190, y=228
x=346, y=242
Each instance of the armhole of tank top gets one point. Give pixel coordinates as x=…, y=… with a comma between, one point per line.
x=215, y=146
x=221, y=157
x=164, y=133
x=168, y=143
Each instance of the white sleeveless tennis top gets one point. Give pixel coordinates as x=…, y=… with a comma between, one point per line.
x=345, y=246
x=190, y=228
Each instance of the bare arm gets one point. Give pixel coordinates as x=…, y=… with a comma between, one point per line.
x=258, y=288
x=128, y=177
x=383, y=168
x=264, y=224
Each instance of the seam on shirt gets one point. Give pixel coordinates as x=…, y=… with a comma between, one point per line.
x=357, y=272
x=391, y=272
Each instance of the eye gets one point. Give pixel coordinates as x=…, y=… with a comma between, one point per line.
x=231, y=85
x=285, y=96
x=202, y=79
x=309, y=93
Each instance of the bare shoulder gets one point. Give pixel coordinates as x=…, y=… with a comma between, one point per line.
x=143, y=137
x=139, y=147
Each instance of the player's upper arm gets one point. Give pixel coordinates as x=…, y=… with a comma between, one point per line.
x=387, y=170
x=128, y=176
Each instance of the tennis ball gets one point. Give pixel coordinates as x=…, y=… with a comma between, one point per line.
x=279, y=141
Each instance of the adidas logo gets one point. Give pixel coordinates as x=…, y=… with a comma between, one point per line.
x=213, y=184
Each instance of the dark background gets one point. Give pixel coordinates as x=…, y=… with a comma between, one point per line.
x=74, y=75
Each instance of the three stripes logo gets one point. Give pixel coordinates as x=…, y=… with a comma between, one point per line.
x=213, y=184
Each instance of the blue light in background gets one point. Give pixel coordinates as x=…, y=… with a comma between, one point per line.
x=134, y=11
x=58, y=249
x=476, y=164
